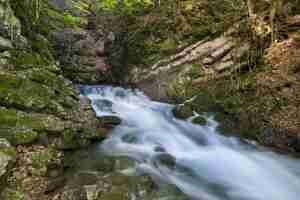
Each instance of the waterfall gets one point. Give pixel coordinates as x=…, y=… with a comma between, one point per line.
x=202, y=163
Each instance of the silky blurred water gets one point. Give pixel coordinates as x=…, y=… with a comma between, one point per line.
x=209, y=166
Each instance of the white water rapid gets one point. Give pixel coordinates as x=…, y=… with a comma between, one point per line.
x=202, y=163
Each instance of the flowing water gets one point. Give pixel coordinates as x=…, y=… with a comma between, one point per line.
x=202, y=163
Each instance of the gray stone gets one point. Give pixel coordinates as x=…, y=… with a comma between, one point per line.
x=5, y=44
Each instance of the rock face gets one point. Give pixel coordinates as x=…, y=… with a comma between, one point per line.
x=78, y=53
x=41, y=111
x=211, y=58
x=7, y=159
x=38, y=102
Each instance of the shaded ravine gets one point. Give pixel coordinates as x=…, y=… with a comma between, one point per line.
x=197, y=159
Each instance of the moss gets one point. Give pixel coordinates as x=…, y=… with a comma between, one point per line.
x=40, y=160
x=168, y=45
x=24, y=59
x=69, y=139
x=24, y=136
x=183, y=111
x=24, y=94
x=115, y=195
x=201, y=120
x=9, y=194
x=18, y=127
x=11, y=151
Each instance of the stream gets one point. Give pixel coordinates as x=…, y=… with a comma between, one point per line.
x=198, y=160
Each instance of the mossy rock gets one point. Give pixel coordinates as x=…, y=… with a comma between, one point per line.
x=7, y=160
x=70, y=140
x=114, y=195
x=201, y=120
x=10, y=194
x=23, y=128
x=40, y=161
x=18, y=127
x=183, y=111
x=24, y=94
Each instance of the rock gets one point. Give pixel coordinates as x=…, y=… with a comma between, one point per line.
x=4, y=58
x=166, y=160
x=91, y=192
x=75, y=193
x=10, y=26
x=5, y=44
x=159, y=149
x=183, y=111
x=4, y=143
x=201, y=120
x=7, y=159
x=110, y=121
x=129, y=138
x=104, y=105
x=10, y=194
x=55, y=183
x=82, y=178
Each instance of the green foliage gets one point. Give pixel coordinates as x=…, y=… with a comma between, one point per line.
x=128, y=6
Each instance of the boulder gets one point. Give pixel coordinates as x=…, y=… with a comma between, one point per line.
x=183, y=111
x=110, y=121
x=5, y=44
x=201, y=120
x=166, y=160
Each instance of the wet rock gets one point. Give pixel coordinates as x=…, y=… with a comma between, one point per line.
x=130, y=138
x=104, y=105
x=123, y=163
x=110, y=121
x=183, y=111
x=201, y=120
x=166, y=160
x=159, y=149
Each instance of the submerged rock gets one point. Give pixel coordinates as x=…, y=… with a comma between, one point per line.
x=166, y=160
x=129, y=138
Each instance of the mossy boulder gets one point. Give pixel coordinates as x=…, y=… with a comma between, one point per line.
x=183, y=111
x=201, y=120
